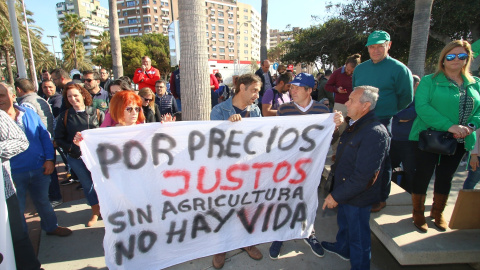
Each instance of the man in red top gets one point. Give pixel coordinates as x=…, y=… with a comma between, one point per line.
x=146, y=76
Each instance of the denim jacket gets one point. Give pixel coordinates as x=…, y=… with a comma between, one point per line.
x=225, y=109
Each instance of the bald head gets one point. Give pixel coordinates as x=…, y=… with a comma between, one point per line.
x=265, y=66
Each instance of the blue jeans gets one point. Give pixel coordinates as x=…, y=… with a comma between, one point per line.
x=36, y=183
x=472, y=178
x=353, y=237
x=85, y=178
x=387, y=165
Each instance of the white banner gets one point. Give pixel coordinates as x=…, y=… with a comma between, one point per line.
x=7, y=257
x=174, y=192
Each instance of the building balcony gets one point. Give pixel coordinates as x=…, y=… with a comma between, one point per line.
x=60, y=16
x=70, y=6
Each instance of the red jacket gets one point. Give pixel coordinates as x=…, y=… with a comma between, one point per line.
x=147, y=78
x=337, y=79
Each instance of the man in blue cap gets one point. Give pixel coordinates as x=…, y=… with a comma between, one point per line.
x=395, y=83
x=303, y=104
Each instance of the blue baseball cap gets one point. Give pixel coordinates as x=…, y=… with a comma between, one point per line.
x=304, y=79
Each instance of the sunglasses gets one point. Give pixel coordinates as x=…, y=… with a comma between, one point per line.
x=451, y=57
x=87, y=80
x=130, y=109
x=147, y=99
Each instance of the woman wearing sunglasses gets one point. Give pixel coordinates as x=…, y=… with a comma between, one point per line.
x=79, y=116
x=447, y=100
x=150, y=108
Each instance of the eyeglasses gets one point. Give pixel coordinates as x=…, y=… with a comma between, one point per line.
x=147, y=99
x=130, y=109
x=87, y=80
x=451, y=57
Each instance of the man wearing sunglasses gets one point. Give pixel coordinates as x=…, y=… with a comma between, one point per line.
x=91, y=80
x=395, y=83
x=166, y=102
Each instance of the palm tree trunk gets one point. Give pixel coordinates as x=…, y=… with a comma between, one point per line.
x=115, y=40
x=419, y=40
x=9, y=66
x=75, y=51
x=263, y=31
x=196, y=101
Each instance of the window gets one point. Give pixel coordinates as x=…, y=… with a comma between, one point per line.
x=222, y=43
x=222, y=57
x=220, y=6
x=213, y=27
x=231, y=50
x=245, y=17
x=125, y=13
x=230, y=22
x=133, y=30
x=214, y=49
x=221, y=35
x=230, y=57
x=145, y=2
x=245, y=38
x=220, y=21
x=246, y=45
x=245, y=51
x=214, y=35
x=156, y=19
x=230, y=37
x=207, y=26
x=132, y=21
x=130, y=3
x=222, y=50
x=221, y=28
x=147, y=19
x=245, y=10
x=207, y=34
x=220, y=14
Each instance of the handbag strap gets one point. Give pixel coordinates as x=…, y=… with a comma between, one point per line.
x=339, y=154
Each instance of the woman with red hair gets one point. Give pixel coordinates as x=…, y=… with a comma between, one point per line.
x=126, y=108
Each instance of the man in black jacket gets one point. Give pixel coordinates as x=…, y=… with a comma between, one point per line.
x=267, y=81
x=360, y=156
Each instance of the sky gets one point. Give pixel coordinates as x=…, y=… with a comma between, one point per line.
x=280, y=14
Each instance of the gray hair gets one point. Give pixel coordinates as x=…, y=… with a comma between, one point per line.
x=9, y=88
x=370, y=94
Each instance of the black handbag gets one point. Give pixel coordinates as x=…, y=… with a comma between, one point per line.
x=437, y=142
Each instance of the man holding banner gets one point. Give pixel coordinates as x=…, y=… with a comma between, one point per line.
x=189, y=190
x=360, y=156
x=303, y=104
x=242, y=104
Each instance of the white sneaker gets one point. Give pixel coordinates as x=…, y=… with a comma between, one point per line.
x=56, y=203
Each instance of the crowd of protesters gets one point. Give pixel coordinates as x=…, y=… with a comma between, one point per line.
x=378, y=124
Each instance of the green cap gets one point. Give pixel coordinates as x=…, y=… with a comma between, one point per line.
x=378, y=37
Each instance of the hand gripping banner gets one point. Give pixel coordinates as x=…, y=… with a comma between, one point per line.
x=174, y=192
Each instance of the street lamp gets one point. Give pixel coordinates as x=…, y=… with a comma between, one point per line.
x=53, y=46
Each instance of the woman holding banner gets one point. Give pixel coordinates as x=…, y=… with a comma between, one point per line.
x=79, y=116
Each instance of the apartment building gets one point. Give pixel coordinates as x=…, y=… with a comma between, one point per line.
x=138, y=17
x=92, y=14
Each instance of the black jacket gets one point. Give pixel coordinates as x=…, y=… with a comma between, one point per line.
x=76, y=122
x=150, y=115
x=359, y=168
x=259, y=73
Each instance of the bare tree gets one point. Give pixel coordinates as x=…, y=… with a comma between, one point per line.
x=194, y=82
x=116, y=46
x=419, y=40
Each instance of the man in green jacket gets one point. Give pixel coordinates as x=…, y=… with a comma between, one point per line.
x=395, y=82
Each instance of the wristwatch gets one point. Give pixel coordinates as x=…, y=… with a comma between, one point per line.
x=472, y=126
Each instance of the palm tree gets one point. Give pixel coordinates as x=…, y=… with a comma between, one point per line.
x=196, y=102
x=116, y=46
x=71, y=61
x=103, y=44
x=263, y=31
x=6, y=41
x=419, y=40
x=73, y=26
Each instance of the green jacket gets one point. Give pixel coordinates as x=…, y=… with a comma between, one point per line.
x=437, y=104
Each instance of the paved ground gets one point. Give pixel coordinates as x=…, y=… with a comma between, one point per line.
x=84, y=250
